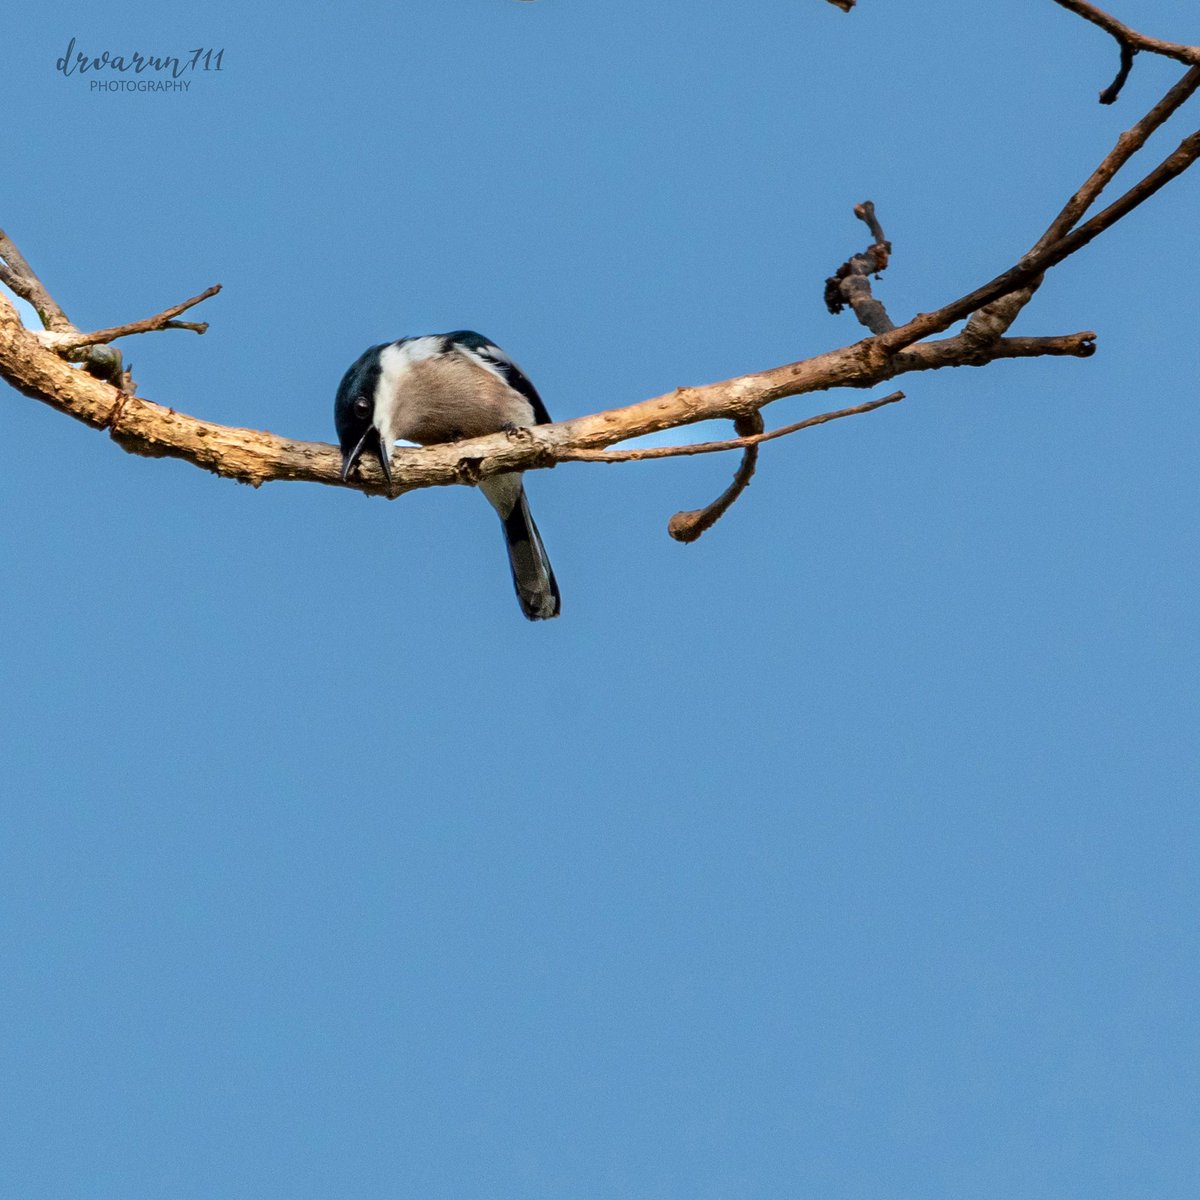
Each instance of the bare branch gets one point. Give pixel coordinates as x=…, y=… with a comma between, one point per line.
x=997, y=315
x=756, y=439
x=1070, y=345
x=689, y=525
x=851, y=283
x=143, y=427
x=1128, y=144
x=1038, y=261
x=21, y=278
x=61, y=335
x=994, y=319
x=1110, y=93
x=963, y=350
x=1129, y=39
x=64, y=343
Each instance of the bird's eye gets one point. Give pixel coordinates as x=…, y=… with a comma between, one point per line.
x=362, y=407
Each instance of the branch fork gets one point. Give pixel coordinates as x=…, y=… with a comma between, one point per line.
x=61, y=336
x=38, y=364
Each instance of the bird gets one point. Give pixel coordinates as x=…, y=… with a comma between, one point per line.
x=442, y=387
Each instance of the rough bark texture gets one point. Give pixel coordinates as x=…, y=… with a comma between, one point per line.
x=37, y=363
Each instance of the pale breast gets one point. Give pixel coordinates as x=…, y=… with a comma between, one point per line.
x=443, y=398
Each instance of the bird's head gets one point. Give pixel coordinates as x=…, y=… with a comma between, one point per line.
x=354, y=413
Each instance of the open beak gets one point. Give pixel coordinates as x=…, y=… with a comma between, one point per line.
x=369, y=441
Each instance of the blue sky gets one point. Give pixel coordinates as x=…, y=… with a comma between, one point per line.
x=850, y=852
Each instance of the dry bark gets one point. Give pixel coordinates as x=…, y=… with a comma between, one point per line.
x=39, y=364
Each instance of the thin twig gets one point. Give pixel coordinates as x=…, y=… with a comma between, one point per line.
x=66, y=342
x=1037, y=262
x=993, y=319
x=687, y=526
x=1130, y=37
x=568, y=454
x=1110, y=93
x=962, y=350
x=1071, y=345
x=1128, y=144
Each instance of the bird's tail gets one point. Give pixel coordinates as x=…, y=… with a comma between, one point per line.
x=533, y=577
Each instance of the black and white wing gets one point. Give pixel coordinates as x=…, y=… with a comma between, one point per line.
x=490, y=356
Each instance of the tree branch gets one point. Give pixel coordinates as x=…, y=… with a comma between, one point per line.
x=17, y=274
x=34, y=364
x=1130, y=38
x=1127, y=145
x=1110, y=93
x=60, y=334
x=995, y=318
x=851, y=282
x=751, y=440
x=689, y=525
x=1038, y=261
x=143, y=427
x=64, y=343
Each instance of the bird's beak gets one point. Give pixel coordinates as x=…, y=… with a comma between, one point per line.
x=385, y=459
x=373, y=441
x=352, y=456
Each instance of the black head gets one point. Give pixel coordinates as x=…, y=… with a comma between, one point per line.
x=354, y=412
